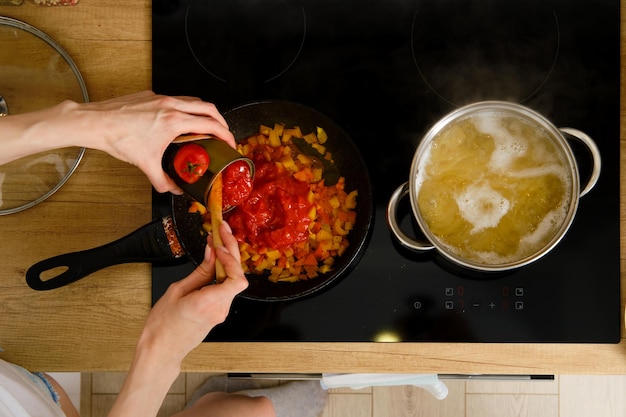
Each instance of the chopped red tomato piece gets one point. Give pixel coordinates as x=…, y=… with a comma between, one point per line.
x=237, y=184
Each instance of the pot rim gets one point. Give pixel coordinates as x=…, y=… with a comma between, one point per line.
x=504, y=107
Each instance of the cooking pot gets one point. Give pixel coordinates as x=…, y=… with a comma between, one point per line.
x=493, y=186
x=179, y=234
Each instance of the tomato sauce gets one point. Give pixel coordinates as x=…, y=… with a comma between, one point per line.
x=276, y=214
x=237, y=184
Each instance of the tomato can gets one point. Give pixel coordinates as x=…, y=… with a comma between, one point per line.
x=220, y=156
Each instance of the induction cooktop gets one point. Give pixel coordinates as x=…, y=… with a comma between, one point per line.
x=385, y=72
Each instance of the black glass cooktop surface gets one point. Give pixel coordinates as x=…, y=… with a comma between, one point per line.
x=385, y=72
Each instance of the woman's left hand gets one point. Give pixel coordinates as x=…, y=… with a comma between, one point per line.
x=190, y=308
x=179, y=322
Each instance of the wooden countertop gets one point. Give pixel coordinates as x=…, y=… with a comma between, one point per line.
x=92, y=325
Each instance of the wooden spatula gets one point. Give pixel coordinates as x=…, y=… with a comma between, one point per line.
x=215, y=208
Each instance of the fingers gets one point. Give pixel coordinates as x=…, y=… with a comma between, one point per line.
x=209, y=126
x=196, y=116
x=230, y=257
x=206, y=124
x=149, y=121
x=235, y=281
x=230, y=241
x=163, y=183
x=202, y=275
x=197, y=106
x=190, y=105
x=193, y=106
x=190, y=98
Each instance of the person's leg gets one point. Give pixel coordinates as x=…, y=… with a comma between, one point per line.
x=222, y=383
x=64, y=400
x=223, y=404
x=293, y=399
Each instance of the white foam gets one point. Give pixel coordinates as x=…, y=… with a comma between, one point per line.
x=507, y=145
x=519, y=152
x=492, y=258
x=482, y=206
x=544, y=171
x=546, y=227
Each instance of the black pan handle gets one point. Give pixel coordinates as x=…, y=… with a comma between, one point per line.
x=149, y=243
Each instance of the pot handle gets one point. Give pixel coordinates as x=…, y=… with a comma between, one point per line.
x=595, y=155
x=149, y=243
x=392, y=222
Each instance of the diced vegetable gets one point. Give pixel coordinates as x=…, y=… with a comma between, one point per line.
x=332, y=211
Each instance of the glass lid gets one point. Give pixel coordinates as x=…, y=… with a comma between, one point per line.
x=35, y=73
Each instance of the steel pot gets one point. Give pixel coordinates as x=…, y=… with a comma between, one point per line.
x=493, y=186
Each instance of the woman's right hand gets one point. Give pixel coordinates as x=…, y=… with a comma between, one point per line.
x=135, y=128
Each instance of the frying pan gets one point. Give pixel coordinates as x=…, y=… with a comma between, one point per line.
x=180, y=234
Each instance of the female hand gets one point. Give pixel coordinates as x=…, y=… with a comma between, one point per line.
x=190, y=308
x=135, y=128
x=178, y=322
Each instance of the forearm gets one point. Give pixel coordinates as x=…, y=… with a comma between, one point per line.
x=147, y=383
x=29, y=133
x=178, y=323
x=136, y=128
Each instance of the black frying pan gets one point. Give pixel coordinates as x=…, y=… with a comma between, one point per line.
x=151, y=243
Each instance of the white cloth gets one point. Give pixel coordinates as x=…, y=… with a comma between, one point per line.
x=20, y=396
x=429, y=382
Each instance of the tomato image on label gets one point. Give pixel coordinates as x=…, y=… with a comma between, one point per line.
x=191, y=162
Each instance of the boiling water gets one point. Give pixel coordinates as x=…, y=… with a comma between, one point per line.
x=493, y=188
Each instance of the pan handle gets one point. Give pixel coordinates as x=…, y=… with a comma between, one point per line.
x=149, y=243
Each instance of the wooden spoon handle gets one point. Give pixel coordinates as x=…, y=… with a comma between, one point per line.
x=215, y=208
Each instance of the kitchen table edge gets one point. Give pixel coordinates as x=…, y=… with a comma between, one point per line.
x=418, y=357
